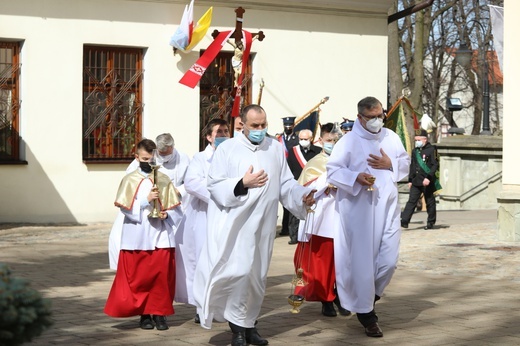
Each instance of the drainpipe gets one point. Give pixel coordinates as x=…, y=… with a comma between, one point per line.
x=410, y=10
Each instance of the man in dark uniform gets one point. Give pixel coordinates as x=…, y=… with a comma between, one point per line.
x=297, y=159
x=288, y=139
x=422, y=180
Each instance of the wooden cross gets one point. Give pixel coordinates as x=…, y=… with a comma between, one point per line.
x=237, y=34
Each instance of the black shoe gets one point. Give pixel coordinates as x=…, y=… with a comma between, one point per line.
x=146, y=322
x=160, y=322
x=197, y=319
x=327, y=309
x=253, y=338
x=342, y=311
x=428, y=226
x=284, y=234
x=373, y=330
x=239, y=339
x=404, y=224
x=292, y=242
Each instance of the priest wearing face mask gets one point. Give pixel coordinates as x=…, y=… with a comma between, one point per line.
x=247, y=178
x=297, y=159
x=422, y=180
x=369, y=233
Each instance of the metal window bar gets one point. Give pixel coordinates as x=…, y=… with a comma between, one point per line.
x=9, y=102
x=112, y=104
x=217, y=93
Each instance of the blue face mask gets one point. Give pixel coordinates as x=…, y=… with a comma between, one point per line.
x=257, y=136
x=219, y=140
x=327, y=147
x=236, y=133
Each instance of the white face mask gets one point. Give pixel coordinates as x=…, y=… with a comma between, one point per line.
x=167, y=158
x=305, y=143
x=374, y=125
x=418, y=144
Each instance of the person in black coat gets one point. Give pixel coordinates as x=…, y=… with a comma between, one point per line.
x=421, y=180
x=288, y=139
x=297, y=158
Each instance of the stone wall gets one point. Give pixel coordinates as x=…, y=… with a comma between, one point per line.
x=470, y=172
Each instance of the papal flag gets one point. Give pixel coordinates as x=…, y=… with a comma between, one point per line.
x=186, y=37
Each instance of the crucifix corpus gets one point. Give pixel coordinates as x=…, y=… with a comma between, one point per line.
x=238, y=45
x=242, y=46
x=241, y=55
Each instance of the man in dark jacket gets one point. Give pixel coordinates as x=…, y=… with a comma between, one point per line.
x=288, y=139
x=297, y=159
x=422, y=180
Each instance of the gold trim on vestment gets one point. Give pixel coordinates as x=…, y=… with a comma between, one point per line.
x=314, y=169
x=168, y=196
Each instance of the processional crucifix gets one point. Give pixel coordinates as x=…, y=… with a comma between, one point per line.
x=241, y=56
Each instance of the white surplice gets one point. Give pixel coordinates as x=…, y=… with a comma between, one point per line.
x=191, y=234
x=367, y=247
x=175, y=168
x=231, y=273
x=323, y=221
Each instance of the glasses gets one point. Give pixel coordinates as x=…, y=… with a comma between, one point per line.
x=380, y=116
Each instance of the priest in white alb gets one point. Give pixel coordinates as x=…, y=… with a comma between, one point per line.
x=368, y=244
x=247, y=178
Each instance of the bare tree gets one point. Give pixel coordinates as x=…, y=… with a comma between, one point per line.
x=421, y=57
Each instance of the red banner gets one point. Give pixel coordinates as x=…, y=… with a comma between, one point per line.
x=194, y=74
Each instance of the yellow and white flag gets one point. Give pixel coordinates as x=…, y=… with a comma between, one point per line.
x=186, y=37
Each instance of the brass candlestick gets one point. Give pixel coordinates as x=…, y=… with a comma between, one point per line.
x=154, y=163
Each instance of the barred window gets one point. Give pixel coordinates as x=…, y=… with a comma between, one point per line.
x=217, y=91
x=112, y=103
x=9, y=102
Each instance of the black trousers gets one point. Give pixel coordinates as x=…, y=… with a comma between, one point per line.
x=429, y=197
x=294, y=224
x=285, y=221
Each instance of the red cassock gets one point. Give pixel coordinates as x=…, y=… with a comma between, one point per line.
x=316, y=258
x=144, y=283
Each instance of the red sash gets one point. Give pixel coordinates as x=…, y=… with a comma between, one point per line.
x=299, y=156
x=282, y=140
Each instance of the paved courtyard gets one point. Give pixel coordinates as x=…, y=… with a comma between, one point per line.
x=455, y=285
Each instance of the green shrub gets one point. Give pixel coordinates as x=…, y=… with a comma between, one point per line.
x=24, y=314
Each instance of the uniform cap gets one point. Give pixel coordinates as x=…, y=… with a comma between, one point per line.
x=288, y=121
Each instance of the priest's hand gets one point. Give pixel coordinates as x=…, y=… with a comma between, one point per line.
x=380, y=162
x=154, y=194
x=163, y=215
x=309, y=199
x=257, y=179
x=364, y=179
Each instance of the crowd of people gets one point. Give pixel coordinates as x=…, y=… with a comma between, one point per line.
x=202, y=231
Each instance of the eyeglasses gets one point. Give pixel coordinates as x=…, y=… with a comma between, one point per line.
x=380, y=116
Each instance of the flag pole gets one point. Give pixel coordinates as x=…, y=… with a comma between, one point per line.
x=300, y=118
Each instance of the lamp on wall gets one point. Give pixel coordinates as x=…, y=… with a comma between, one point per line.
x=454, y=104
x=464, y=56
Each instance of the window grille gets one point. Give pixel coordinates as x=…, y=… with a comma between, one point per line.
x=9, y=102
x=112, y=103
x=217, y=92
